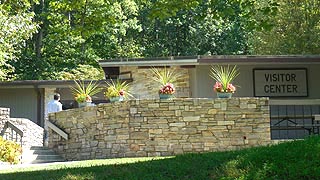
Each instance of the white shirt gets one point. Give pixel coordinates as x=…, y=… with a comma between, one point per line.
x=54, y=106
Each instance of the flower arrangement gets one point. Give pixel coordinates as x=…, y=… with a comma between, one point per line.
x=218, y=87
x=165, y=78
x=117, y=89
x=224, y=76
x=83, y=93
x=83, y=98
x=167, y=89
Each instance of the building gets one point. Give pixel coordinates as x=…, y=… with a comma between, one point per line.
x=28, y=99
x=290, y=82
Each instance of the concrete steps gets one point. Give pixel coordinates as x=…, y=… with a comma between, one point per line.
x=39, y=154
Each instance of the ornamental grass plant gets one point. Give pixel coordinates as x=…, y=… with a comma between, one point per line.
x=117, y=88
x=166, y=78
x=83, y=93
x=224, y=75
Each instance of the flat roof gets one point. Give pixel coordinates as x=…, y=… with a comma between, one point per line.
x=48, y=83
x=217, y=59
x=157, y=61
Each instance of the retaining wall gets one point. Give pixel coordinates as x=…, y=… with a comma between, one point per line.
x=161, y=127
x=32, y=133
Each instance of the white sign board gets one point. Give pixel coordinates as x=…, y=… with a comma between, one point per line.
x=280, y=82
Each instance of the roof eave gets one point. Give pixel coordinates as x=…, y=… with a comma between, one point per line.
x=252, y=60
x=150, y=63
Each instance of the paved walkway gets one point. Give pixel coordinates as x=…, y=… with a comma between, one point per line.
x=6, y=166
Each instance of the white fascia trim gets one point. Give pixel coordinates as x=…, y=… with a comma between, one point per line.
x=150, y=63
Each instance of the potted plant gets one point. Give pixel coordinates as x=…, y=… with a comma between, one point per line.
x=83, y=93
x=224, y=75
x=165, y=78
x=117, y=91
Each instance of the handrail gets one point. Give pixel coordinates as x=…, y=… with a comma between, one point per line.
x=57, y=130
x=13, y=128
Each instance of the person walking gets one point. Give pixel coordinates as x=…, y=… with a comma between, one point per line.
x=52, y=107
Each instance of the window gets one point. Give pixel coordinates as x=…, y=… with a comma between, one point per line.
x=111, y=72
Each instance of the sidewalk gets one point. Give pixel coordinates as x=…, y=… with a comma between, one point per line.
x=7, y=166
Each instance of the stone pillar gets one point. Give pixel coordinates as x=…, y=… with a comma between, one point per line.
x=48, y=96
x=4, y=116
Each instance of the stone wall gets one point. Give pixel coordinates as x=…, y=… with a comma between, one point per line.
x=4, y=114
x=32, y=133
x=143, y=87
x=161, y=127
x=48, y=96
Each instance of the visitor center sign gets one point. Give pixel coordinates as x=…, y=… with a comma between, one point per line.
x=280, y=82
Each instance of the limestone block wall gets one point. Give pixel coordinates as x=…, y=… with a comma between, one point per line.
x=48, y=96
x=4, y=114
x=161, y=127
x=143, y=87
x=32, y=133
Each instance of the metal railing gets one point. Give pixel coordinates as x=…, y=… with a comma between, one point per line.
x=294, y=119
x=15, y=135
x=57, y=130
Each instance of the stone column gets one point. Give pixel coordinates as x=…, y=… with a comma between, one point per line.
x=48, y=96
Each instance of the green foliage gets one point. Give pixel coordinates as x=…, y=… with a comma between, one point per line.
x=224, y=75
x=117, y=88
x=164, y=75
x=196, y=27
x=10, y=151
x=78, y=32
x=82, y=72
x=296, y=30
x=82, y=92
x=16, y=27
x=291, y=160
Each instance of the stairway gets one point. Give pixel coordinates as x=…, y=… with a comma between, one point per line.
x=39, y=154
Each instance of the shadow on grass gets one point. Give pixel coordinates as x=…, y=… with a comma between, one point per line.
x=189, y=166
x=291, y=160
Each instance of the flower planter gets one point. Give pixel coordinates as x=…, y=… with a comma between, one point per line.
x=166, y=96
x=224, y=95
x=114, y=99
x=84, y=104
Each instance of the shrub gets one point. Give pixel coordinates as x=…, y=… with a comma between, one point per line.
x=9, y=151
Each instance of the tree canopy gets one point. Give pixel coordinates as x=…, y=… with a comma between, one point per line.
x=17, y=26
x=54, y=39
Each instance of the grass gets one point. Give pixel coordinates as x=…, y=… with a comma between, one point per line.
x=290, y=160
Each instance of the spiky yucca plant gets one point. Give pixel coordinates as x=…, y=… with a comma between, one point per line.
x=224, y=75
x=82, y=92
x=164, y=76
x=117, y=88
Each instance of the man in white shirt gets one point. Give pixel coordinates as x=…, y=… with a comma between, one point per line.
x=53, y=106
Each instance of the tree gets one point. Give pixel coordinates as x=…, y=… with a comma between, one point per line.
x=84, y=31
x=296, y=31
x=82, y=72
x=193, y=27
x=16, y=27
x=78, y=32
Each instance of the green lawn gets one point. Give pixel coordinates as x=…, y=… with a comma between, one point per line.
x=291, y=160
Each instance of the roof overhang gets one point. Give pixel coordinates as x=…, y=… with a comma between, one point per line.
x=48, y=83
x=252, y=60
x=171, y=61
x=208, y=60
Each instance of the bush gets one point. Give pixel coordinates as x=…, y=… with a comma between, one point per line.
x=10, y=151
